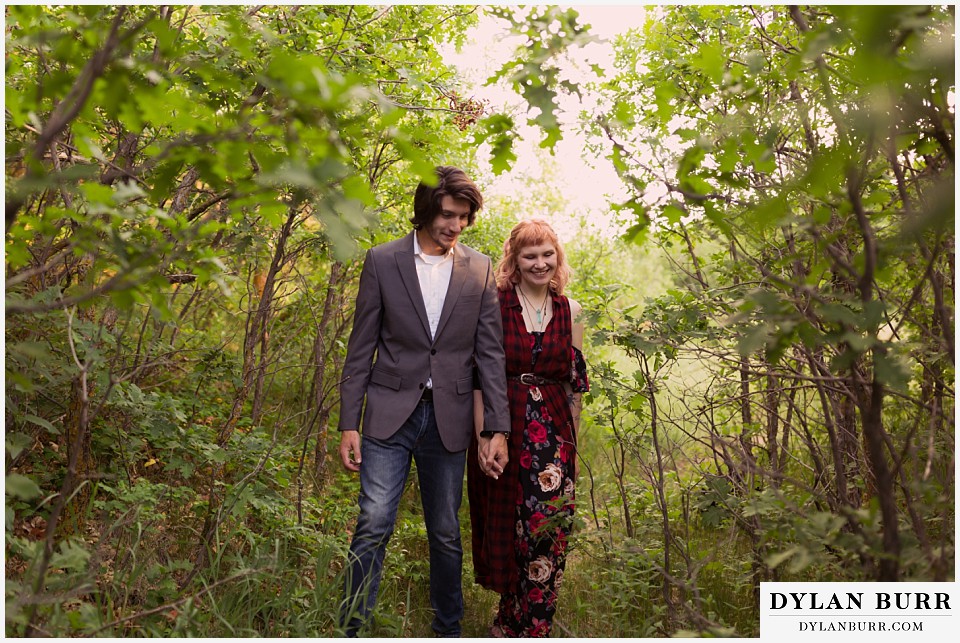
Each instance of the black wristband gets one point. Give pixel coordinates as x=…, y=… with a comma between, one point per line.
x=487, y=434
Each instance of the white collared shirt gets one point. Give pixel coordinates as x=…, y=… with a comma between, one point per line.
x=434, y=273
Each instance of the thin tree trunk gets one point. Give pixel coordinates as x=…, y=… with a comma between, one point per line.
x=332, y=302
x=659, y=488
x=871, y=402
x=871, y=411
x=252, y=375
x=773, y=427
x=264, y=313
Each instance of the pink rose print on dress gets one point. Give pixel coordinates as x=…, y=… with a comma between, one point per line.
x=536, y=522
x=537, y=432
x=550, y=478
x=525, y=459
x=540, y=628
x=540, y=570
x=559, y=543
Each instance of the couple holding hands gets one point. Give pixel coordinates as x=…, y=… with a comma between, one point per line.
x=461, y=364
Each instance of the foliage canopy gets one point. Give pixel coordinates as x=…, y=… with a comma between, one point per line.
x=188, y=190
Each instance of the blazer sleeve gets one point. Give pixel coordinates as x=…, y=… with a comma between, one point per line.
x=490, y=360
x=361, y=347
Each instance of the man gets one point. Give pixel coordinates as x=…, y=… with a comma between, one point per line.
x=426, y=314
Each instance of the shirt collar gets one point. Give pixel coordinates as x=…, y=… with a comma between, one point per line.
x=418, y=251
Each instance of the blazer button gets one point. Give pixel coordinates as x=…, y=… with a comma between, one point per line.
x=422, y=385
x=433, y=351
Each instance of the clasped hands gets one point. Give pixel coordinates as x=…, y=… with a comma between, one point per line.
x=492, y=453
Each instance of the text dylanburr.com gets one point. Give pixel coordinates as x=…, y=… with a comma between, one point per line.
x=858, y=611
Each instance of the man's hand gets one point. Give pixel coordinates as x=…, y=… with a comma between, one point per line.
x=350, y=444
x=493, y=455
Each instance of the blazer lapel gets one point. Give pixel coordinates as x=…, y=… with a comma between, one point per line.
x=407, y=267
x=461, y=266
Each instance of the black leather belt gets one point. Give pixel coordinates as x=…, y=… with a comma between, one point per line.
x=533, y=380
x=426, y=395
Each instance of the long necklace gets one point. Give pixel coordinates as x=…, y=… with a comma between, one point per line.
x=541, y=311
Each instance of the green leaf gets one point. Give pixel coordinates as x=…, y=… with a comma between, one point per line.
x=98, y=193
x=637, y=233
x=663, y=94
x=874, y=313
x=754, y=339
x=825, y=174
x=72, y=556
x=798, y=556
x=20, y=486
x=358, y=189
x=857, y=342
x=891, y=371
x=697, y=185
x=838, y=313
x=768, y=212
x=728, y=156
x=756, y=61
x=498, y=131
x=691, y=160
x=674, y=213
x=16, y=443
x=711, y=59
x=273, y=214
x=717, y=217
x=768, y=301
x=39, y=421
x=843, y=361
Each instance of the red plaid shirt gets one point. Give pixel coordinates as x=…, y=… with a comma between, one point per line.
x=493, y=502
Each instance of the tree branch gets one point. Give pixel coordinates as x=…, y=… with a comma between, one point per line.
x=64, y=113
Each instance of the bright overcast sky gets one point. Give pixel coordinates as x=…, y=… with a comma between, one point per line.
x=585, y=183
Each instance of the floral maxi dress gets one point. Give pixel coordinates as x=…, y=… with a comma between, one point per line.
x=521, y=522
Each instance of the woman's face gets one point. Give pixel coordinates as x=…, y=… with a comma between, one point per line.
x=537, y=265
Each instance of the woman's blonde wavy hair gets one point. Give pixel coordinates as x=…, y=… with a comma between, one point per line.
x=532, y=232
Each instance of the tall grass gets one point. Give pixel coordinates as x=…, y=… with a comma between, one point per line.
x=272, y=577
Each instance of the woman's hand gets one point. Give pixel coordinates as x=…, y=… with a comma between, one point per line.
x=493, y=455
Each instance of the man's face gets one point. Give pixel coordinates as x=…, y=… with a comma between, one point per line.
x=442, y=234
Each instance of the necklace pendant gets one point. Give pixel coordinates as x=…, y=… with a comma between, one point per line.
x=539, y=317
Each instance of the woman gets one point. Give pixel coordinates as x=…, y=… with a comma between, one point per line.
x=521, y=521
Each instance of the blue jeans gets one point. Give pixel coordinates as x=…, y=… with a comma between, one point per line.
x=383, y=474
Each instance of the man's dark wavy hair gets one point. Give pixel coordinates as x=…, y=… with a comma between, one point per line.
x=452, y=182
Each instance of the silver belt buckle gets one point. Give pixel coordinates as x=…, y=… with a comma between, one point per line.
x=528, y=379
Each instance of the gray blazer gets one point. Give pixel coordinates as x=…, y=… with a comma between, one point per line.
x=390, y=354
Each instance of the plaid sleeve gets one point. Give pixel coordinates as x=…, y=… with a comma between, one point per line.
x=578, y=372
